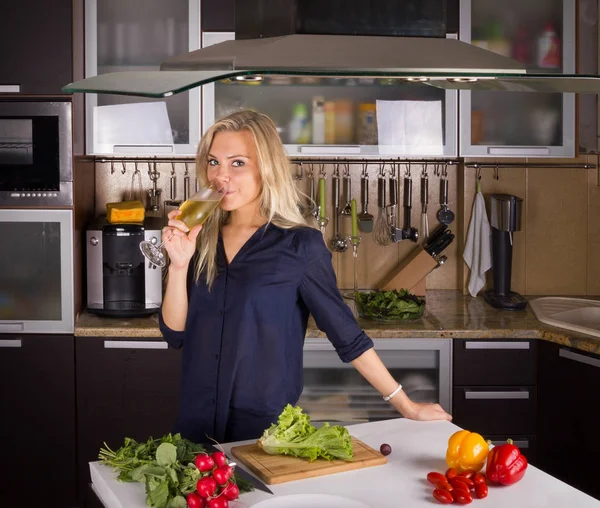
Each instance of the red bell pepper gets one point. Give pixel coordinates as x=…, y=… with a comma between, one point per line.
x=505, y=464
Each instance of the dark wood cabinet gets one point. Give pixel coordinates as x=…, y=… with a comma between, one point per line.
x=125, y=388
x=37, y=425
x=36, y=41
x=217, y=15
x=494, y=390
x=568, y=401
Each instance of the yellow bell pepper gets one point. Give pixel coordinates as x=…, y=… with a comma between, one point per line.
x=466, y=451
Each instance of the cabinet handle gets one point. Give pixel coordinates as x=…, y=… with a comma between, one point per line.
x=329, y=149
x=516, y=151
x=10, y=88
x=154, y=149
x=576, y=357
x=11, y=327
x=513, y=394
x=522, y=443
x=10, y=343
x=133, y=344
x=488, y=344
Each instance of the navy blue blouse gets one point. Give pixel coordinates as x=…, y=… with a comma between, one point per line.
x=243, y=339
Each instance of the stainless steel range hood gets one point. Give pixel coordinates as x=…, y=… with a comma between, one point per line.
x=444, y=63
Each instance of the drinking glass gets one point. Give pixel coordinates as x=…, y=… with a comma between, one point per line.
x=194, y=211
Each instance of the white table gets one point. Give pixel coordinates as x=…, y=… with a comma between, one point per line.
x=417, y=448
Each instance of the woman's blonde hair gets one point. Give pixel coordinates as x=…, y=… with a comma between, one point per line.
x=280, y=199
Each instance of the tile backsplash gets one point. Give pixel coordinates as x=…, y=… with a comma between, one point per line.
x=556, y=251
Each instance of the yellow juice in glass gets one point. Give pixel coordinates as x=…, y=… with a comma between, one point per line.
x=194, y=212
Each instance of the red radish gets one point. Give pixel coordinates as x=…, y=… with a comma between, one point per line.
x=220, y=475
x=218, y=502
x=204, y=462
x=206, y=486
x=231, y=491
x=228, y=469
x=219, y=458
x=194, y=501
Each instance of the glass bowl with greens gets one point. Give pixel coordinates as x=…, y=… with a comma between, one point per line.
x=391, y=306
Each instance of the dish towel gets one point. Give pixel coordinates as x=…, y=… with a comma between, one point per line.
x=478, y=250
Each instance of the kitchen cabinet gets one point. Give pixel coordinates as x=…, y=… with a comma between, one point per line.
x=38, y=420
x=218, y=15
x=494, y=390
x=37, y=49
x=541, y=34
x=568, y=399
x=327, y=116
x=125, y=388
x=139, y=35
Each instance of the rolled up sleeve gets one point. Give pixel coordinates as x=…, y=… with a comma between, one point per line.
x=321, y=296
x=172, y=337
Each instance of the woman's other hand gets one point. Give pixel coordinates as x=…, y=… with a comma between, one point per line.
x=423, y=411
x=181, y=243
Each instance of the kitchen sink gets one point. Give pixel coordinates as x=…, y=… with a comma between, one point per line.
x=577, y=314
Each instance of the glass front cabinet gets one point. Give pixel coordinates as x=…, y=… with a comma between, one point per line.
x=541, y=35
x=322, y=116
x=139, y=35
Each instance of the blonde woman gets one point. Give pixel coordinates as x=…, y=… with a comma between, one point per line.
x=240, y=289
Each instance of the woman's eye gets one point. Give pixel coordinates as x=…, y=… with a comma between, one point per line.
x=237, y=164
x=213, y=162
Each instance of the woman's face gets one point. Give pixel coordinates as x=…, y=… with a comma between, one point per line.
x=232, y=159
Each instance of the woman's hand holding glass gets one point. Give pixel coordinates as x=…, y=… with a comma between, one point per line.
x=179, y=241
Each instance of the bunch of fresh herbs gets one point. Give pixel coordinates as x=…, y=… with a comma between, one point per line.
x=165, y=466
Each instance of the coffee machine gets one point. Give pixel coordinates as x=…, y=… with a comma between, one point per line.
x=506, y=219
x=120, y=282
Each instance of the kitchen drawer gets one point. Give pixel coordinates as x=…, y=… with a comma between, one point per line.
x=527, y=443
x=495, y=410
x=494, y=362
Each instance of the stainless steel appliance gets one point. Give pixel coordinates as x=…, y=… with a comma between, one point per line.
x=506, y=219
x=36, y=165
x=119, y=280
x=36, y=271
x=335, y=391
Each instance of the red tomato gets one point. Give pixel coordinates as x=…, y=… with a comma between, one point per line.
x=194, y=501
x=220, y=475
x=451, y=473
x=443, y=496
x=218, y=502
x=219, y=458
x=468, y=474
x=206, y=486
x=479, y=478
x=437, y=480
x=462, y=496
x=231, y=491
x=457, y=481
x=204, y=462
x=481, y=490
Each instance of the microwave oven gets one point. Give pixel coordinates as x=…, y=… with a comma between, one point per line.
x=36, y=165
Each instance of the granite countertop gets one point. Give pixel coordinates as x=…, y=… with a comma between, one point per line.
x=448, y=314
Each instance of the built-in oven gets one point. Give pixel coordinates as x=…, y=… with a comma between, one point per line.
x=336, y=391
x=36, y=271
x=36, y=164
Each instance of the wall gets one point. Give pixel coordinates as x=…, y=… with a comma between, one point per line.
x=558, y=247
x=556, y=252
x=374, y=261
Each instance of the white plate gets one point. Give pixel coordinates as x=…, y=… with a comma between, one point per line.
x=310, y=501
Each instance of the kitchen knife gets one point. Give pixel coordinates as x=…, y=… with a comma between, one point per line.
x=433, y=237
x=243, y=474
x=447, y=240
x=435, y=244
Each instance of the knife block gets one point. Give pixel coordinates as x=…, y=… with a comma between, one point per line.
x=411, y=273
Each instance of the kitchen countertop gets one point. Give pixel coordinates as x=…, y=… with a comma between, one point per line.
x=417, y=448
x=448, y=314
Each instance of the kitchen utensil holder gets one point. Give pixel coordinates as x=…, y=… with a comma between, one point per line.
x=411, y=272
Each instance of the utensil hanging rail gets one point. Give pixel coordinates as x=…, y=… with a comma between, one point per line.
x=158, y=160
x=501, y=165
x=379, y=160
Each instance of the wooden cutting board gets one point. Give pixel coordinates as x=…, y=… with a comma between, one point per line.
x=273, y=469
